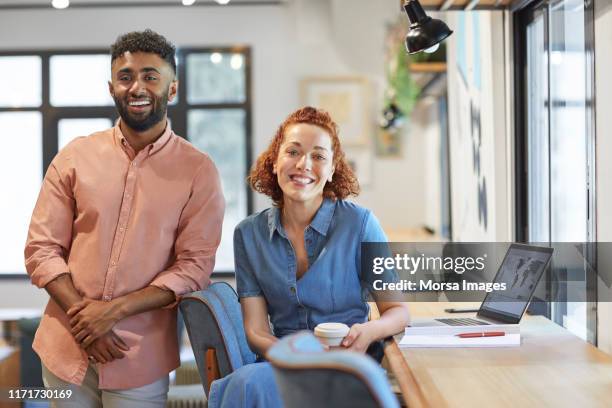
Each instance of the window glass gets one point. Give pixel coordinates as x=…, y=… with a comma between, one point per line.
x=20, y=82
x=537, y=132
x=568, y=128
x=80, y=80
x=179, y=90
x=221, y=134
x=568, y=148
x=558, y=142
x=68, y=129
x=20, y=178
x=215, y=78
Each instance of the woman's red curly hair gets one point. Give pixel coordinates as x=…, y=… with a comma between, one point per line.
x=263, y=180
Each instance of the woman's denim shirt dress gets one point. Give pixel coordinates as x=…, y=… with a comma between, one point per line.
x=331, y=290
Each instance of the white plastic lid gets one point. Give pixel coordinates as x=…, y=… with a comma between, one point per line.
x=331, y=330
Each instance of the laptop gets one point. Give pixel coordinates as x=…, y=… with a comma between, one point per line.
x=521, y=270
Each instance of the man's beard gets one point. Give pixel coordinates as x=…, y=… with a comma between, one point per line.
x=143, y=123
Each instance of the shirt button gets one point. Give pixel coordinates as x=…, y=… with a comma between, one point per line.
x=107, y=298
x=113, y=263
x=121, y=229
x=292, y=288
x=133, y=164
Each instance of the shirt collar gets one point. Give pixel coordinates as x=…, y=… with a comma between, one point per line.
x=319, y=223
x=274, y=222
x=151, y=148
x=323, y=218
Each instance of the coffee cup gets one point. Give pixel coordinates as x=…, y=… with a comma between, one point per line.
x=331, y=334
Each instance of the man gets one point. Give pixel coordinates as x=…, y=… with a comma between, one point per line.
x=127, y=220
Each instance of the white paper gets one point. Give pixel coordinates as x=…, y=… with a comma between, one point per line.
x=449, y=330
x=426, y=341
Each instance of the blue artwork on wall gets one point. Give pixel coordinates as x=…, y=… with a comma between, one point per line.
x=469, y=67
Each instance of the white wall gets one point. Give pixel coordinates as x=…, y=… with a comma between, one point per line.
x=288, y=42
x=603, y=147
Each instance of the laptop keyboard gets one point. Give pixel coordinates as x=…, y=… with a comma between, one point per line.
x=462, y=322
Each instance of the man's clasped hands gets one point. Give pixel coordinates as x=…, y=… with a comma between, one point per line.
x=91, y=323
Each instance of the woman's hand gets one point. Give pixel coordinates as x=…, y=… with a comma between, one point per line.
x=358, y=338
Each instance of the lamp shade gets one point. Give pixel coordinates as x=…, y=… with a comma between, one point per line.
x=425, y=32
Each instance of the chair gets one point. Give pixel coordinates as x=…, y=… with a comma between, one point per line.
x=214, y=324
x=307, y=376
x=31, y=368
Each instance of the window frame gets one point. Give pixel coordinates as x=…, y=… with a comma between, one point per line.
x=177, y=112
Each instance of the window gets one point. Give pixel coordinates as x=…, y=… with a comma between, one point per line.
x=20, y=177
x=20, y=81
x=46, y=102
x=555, y=145
x=80, y=80
x=217, y=117
x=68, y=129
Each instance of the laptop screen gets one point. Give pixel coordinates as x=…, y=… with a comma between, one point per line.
x=521, y=271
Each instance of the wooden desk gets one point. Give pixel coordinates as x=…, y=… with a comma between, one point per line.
x=552, y=367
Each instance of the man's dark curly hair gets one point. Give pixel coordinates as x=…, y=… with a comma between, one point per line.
x=144, y=41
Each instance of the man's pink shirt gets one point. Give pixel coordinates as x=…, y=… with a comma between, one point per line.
x=118, y=221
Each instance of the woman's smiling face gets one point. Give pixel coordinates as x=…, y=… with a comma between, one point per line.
x=304, y=163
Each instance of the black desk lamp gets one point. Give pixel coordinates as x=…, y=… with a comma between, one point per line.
x=425, y=33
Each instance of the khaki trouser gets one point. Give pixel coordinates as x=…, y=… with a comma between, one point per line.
x=88, y=395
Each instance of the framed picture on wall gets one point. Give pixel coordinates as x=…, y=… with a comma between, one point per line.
x=347, y=101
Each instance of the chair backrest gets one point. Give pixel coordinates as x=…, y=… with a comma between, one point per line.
x=31, y=368
x=308, y=376
x=214, y=325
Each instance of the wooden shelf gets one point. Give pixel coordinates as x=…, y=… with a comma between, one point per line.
x=433, y=67
x=441, y=5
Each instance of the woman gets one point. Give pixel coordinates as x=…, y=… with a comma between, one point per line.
x=298, y=263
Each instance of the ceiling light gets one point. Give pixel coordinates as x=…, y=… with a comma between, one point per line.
x=188, y=2
x=60, y=4
x=425, y=32
x=222, y=1
x=216, y=57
